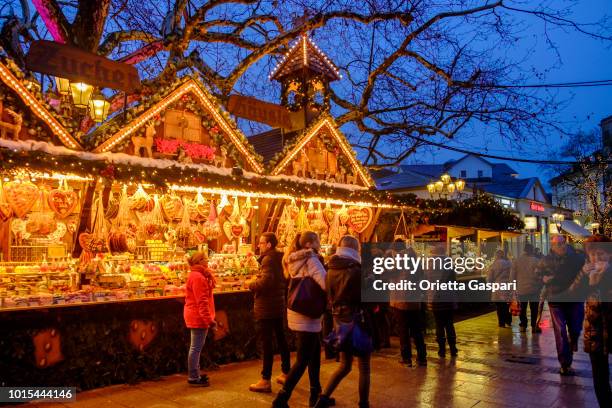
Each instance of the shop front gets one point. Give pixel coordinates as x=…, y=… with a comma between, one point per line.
x=96, y=229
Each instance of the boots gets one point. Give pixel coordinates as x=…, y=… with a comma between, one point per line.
x=452, y=344
x=281, y=400
x=441, y=347
x=315, y=393
x=323, y=402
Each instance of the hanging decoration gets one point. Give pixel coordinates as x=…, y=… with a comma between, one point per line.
x=21, y=196
x=172, y=207
x=6, y=212
x=359, y=218
x=63, y=200
x=212, y=229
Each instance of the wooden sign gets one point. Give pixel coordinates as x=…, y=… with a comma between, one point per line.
x=359, y=218
x=259, y=111
x=69, y=62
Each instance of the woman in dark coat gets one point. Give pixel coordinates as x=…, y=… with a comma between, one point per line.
x=595, y=281
x=441, y=304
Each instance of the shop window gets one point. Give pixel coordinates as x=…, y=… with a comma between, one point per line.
x=479, y=173
x=463, y=174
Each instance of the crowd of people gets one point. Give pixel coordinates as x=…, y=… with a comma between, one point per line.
x=322, y=302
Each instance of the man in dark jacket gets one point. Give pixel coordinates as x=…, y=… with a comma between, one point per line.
x=270, y=290
x=559, y=270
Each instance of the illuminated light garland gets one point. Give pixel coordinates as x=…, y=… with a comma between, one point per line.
x=189, y=86
x=21, y=172
x=224, y=192
x=347, y=150
x=37, y=107
x=303, y=40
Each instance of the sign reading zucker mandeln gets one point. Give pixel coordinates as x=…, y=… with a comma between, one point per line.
x=69, y=62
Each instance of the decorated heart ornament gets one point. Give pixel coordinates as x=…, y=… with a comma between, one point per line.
x=328, y=215
x=359, y=218
x=6, y=212
x=62, y=202
x=172, y=207
x=343, y=215
x=233, y=231
x=21, y=196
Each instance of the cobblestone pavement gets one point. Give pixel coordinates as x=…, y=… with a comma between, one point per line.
x=495, y=368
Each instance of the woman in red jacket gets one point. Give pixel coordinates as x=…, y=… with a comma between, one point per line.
x=199, y=313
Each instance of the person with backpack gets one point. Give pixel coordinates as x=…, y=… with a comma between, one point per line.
x=344, y=293
x=269, y=290
x=305, y=305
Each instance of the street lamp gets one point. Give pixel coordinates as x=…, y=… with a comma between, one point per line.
x=98, y=107
x=81, y=92
x=63, y=85
x=445, y=187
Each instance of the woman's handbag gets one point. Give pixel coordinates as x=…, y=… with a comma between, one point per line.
x=306, y=297
x=351, y=335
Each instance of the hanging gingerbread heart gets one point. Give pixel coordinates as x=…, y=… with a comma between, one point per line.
x=233, y=231
x=6, y=212
x=328, y=214
x=248, y=210
x=172, y=207
x=359, y=218
x=62, y=202
x=21, y=196
x=344, y=216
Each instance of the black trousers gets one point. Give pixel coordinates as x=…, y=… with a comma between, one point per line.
x=308, y=356
x=410, y=325
x=601, y=378
x=533, y=306
x=346, y=363
x=266, y=330
x=445, y=329
x=503, y=313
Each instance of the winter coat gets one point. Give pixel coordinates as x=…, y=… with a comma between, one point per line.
x=440, y=300
x=343, y=281
x=406, y=300
x=597, y=314
x=563, y=271
x=305, y=262
x=528, y=282
x=499, y=272
x=270, y=288
x=199, y=310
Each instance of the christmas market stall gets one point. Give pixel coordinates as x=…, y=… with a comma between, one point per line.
x=96, y=221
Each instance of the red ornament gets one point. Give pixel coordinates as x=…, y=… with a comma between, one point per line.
x=108, y=172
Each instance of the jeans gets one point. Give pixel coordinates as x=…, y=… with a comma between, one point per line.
x=346, y=363
x=444, y=324
x=503, y=314
x=533, y=306
x=308, y=356
x=410, y=325
x=198, y=336
x=267, y=328
x=566, y=316
x=601, y=378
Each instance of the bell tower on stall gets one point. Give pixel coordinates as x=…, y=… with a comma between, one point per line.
x=305, y=74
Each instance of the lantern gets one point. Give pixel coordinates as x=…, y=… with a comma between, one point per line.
x=460, y=185
x=439, y=186
x=451, y=188
x=445, y=178
x=98, y=107
x=63, y=85
x=81, y=92
x=431, y=187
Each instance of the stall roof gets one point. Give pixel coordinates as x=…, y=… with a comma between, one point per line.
x=300, y=142
x=38, y=107
x=574, y=229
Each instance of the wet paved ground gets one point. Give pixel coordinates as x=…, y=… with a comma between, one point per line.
x=495, y=368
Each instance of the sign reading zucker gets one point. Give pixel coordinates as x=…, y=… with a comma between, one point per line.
x=474, y=284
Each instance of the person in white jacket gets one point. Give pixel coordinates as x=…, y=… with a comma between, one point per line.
x=302, y=259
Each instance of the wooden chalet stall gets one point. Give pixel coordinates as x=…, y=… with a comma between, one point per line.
x=95, y=227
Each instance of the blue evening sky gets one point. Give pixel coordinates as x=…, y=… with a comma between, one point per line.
x=582, y=59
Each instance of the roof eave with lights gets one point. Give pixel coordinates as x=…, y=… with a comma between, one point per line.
x=38, y=108
x=342, y=142
x=186, y=87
